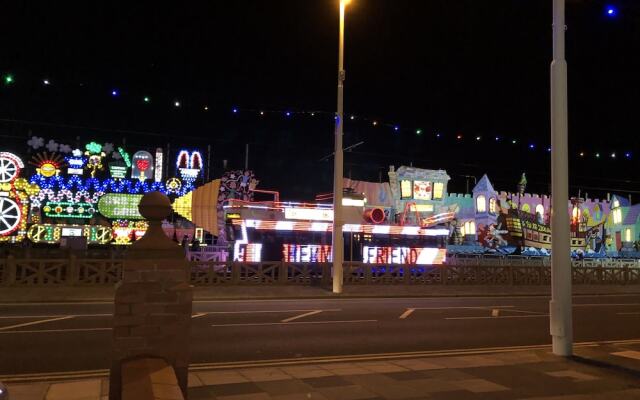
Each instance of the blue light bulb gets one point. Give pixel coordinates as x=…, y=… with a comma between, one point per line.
x=611, y=11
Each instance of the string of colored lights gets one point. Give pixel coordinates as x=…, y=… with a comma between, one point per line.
x=459, y=137
x=82, y=186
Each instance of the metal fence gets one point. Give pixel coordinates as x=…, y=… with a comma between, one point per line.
x=83, y=271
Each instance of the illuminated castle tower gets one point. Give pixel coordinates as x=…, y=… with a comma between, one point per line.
x=485, y=200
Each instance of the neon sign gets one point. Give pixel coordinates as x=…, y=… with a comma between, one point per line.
x=247, y=252
x=311, y=253
x=403, y=255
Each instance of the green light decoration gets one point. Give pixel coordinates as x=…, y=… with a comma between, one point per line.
x=68, y=209
x=8, y=79
x=125, y=156
x=120, y=206
x=94, y=148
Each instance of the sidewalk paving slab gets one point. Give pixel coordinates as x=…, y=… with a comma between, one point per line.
x=523, y=374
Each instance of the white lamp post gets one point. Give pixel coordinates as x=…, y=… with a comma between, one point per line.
x=560, y=310
x=338, y=167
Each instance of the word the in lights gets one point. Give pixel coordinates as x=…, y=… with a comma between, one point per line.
x=403, y=255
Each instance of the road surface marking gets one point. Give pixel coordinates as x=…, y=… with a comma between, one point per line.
x=629, y=313
x=462, y=308
x=299, y=323
x=54, y=316
x=302, y=316
x=4, y=328
x=500, y=317
x=607, y=305
x=57, y=330
x=268, y=311
x=495, y=312
x=408, y=312
x=198, y=315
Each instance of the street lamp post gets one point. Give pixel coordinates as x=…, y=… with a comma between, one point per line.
x=337, y=243
x=560, y=308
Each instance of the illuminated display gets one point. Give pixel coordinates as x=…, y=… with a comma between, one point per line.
x=317, y=214
x=76, y=163
x=173, y=185
x=94, y=155
x=438, y=190
x=118, y=170
x=406, y=190
x=142, y=166
x=49, y=233
x=327, y=227
x=422, y=190
x=353, y=202
x=120, y=206
x=247, y=252
x=126, y=232
x=78, y=184
x=306, y=253
x=68, y=209
x=10, y=166
x=125, y=157
x=403, y=255
x=158, y=172
x=421, y=207
x=10, y=216
x=189, y=165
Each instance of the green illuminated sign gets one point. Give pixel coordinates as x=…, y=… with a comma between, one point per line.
x=118, y=170
x=120, y=206
x=94, y=148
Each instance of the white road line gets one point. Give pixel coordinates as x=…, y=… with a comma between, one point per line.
x=629, y=313
x=408, y=312
x=607, y=305
x=53, y=316
x=198, y=315
x=57, y=330
x=489, y=307
x=298, y=323
x=501, y=317
x=302, y=316
x=4, y=328
x=525, y=312
x=268, y=311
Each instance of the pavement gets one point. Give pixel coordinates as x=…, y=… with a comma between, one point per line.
x=80, y=293
x=596, y=372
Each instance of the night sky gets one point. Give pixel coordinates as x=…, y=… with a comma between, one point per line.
x=449, y=67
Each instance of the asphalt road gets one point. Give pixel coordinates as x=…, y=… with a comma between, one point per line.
x=39, y=338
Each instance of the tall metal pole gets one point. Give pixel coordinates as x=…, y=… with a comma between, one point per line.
x=337, y=243
x=560, y=308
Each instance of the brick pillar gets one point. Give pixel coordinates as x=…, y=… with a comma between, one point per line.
x=152, y=316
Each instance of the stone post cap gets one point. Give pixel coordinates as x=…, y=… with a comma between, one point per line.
x=154, y=206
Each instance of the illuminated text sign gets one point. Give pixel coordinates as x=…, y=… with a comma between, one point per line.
x=306, y=253
x=315, y=214
x=403, y=255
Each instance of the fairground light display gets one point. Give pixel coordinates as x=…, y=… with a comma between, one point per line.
x=94, y=192
x=91, y=192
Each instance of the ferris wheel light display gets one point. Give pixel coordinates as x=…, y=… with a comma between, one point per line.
x=10, y=166
x=10, y=216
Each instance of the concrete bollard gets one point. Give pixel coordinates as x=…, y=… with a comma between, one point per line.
x=152, y=316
